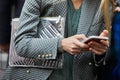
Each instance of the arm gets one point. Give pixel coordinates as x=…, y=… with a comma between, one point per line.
x=26, y=42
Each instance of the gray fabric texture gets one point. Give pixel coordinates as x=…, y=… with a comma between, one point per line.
x=29, y=45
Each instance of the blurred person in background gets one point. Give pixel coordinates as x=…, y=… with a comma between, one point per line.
x=6, y=14
x=116, y=41
x=8, y=10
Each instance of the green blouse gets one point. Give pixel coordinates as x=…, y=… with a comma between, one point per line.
x=72, y=21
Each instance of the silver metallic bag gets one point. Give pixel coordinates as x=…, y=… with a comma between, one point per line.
x=50, y=27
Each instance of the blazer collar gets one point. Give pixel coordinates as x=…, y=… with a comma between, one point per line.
x=88, y=10
x=60, y=8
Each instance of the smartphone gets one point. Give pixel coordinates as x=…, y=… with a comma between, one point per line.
x=95, y=38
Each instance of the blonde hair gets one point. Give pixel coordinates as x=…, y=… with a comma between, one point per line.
x=105, y=6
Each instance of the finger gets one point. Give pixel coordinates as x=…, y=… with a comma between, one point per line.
x=84, y=49
x=75, y=51
x=80, y=44
x=80, y=37
x=98, y=52
x=78, y=50
x=98, y=47
x=76, y=46
x=117, y=9
x=105, y=43
x=104, y=33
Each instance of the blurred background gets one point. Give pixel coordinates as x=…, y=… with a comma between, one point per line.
x=9, y=9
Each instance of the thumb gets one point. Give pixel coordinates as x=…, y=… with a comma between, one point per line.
x=81, y=36
x=104, y=33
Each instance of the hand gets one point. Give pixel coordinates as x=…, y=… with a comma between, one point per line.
x=99, y=48
x=73, y=45
x=117, y=9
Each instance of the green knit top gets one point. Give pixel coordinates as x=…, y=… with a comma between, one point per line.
x=72, y=20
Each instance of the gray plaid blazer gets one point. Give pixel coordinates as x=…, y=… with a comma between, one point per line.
x=29, y=45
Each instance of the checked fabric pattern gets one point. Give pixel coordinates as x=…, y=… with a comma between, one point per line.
x=51, y=28
x=28, y=44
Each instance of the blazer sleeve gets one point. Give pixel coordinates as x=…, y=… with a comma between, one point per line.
x=27, y=43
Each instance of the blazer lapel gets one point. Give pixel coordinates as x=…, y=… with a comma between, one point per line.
x=89, y=8
x=60, y=8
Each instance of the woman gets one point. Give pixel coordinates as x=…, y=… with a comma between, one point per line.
x=81, y=61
